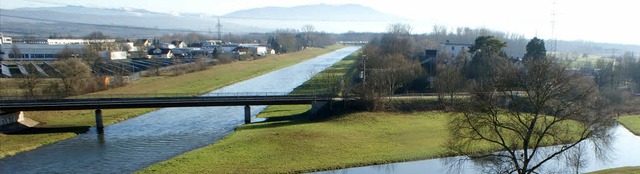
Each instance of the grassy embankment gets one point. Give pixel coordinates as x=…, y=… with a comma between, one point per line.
x=355, y=139
x=59, y=125
x=621, y=170
x=631, y=122
x=292, y=142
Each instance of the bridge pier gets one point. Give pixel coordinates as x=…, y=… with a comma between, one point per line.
x=247, y=114
x=316, y=106
x=99, y=125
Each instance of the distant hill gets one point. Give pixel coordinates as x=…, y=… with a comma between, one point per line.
x=319, y=12
x=74, y=19
x=78, y=20
x=93, y=11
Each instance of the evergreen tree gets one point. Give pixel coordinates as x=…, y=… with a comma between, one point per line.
x=535, y=49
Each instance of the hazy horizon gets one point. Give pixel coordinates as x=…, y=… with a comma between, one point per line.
x=569, y=20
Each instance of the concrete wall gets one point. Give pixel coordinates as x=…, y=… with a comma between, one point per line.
x=10, y=118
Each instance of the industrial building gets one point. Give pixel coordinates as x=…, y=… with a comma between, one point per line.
x=35, y=51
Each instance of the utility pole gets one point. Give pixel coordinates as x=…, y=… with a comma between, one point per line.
x=219, y=27
x=364, y=69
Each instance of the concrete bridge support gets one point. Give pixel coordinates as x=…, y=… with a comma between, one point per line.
x=99, y=124
x=10, y=118
x=247, y=114
x=316, y=106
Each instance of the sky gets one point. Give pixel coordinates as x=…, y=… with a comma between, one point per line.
x=613, y=21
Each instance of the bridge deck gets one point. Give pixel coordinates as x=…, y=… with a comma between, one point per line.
x=153, y=102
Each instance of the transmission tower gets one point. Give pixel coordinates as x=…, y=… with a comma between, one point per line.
x=219, y=27
x=554, y=42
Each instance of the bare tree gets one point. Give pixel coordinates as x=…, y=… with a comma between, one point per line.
x=399, y=28
x=518, y=111
x=67, y=52
x=287, y=41
x=29, y=83
x=387, y=66
x=382, y=81
x=75, y=77
x=308, y=31
x=15, y=52
x=449, y=81
x=96, y=35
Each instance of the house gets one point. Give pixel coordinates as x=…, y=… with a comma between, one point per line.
x=143, y=43
x=130, y=46
x=159, y=53
x=241, y=50
x=181, y=52
x=454, y=49
x=179, y=44
x=113, y=55
x=195, y=46
x=258, y=50
x=168, y=46
x=5, y=39
x=228, y=48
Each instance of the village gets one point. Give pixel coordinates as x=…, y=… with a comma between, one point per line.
x=33, y=56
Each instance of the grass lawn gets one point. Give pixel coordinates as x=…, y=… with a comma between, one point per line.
x=631, y=122
x=59, y=125
x=621, y=170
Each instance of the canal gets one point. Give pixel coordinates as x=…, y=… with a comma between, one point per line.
x=139, y=142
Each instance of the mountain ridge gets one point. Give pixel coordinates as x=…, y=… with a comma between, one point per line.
x=318, y=12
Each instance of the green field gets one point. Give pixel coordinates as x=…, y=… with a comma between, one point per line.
x=59, y=125
x=578, y=60
x=631, y=122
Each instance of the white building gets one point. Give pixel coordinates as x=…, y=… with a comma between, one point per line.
x=78, y=41
x=130, y=46
x=113, y=55
x=35, y=51
x=454, y=49
x=5, y=39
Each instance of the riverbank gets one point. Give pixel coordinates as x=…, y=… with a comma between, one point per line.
x=291, y=143
x=622, y=170
x=631, y=122
x=60, y=125
x=356, y=139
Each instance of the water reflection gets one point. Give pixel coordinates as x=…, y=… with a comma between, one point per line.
x=133, y=144
x=622, y=151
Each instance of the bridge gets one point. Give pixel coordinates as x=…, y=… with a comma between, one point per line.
x=97, y=103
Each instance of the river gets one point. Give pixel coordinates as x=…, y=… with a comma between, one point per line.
x=139, y=142
x=623, y=151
